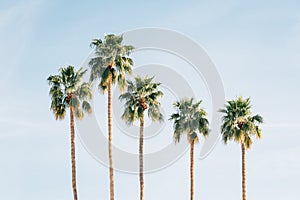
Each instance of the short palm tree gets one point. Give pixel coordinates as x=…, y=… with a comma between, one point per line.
x=190, y=119
x=239, y=125
x=67, y=91
x=110, y=65
x=142, y=94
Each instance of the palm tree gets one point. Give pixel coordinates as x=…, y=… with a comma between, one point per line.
x=142, y=94
x=239, y=125
x=110, y=65
x=67, y=91
x=190, y=119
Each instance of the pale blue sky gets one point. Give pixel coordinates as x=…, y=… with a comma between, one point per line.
x=254, y=45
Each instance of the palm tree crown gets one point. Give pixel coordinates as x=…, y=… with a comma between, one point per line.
x=111, y=61
x=189, y=119
x=67, y=90
x=142, y=94
x=238, y=123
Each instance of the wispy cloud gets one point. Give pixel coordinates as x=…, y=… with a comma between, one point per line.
x=282, y=125
x=199, y=13
x=15, y=27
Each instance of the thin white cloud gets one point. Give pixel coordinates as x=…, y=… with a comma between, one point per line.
x=282, y=125
x=15, y=26
x=200, y=13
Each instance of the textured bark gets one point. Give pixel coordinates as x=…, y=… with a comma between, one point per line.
x=192, y=169
x=141, y=153
x=73, y=153
x=243, y=171
x=111, y=169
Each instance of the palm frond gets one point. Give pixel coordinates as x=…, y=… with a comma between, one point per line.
x=86, y=107
x=112, y=55
x=67, y=90
x=141, y=94
x=189, y=118
x=238, y=123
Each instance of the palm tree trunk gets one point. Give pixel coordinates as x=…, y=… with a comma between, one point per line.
x=73, y=153
x=192, y=169
x=141, y=153
x=111, y=169
x=243, y=171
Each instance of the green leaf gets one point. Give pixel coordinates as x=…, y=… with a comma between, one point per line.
x=238, y=123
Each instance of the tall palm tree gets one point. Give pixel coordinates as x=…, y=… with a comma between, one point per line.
x=67, y=91
x=190, y=119
x=239, y=125
x=142, y=94
x=110, y=65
